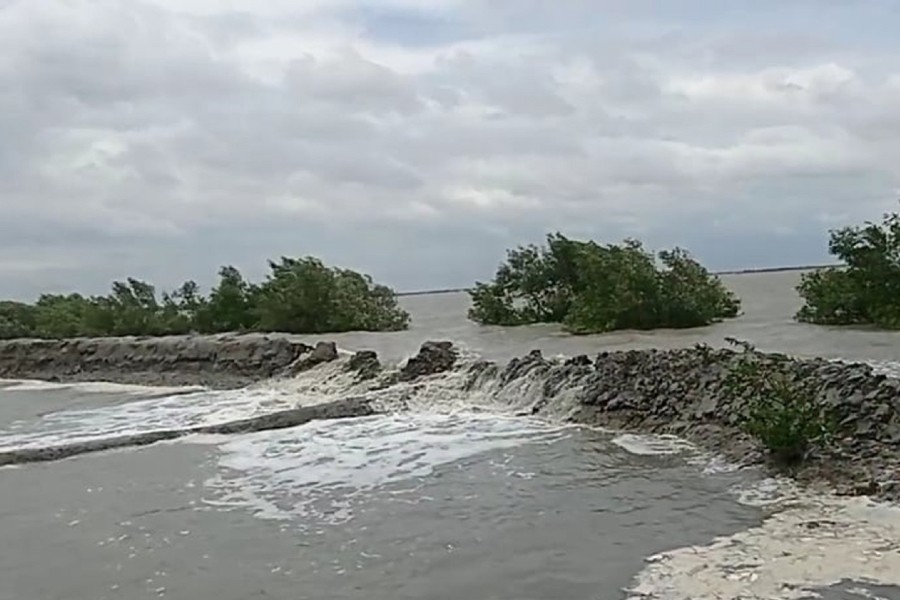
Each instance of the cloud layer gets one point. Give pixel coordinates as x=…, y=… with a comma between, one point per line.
x=417, y=139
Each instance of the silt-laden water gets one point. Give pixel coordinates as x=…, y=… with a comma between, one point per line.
x=454, y=499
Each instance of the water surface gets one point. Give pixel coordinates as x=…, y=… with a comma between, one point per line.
x=454, y=499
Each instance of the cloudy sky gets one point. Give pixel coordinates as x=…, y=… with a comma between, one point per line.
x=417, y=139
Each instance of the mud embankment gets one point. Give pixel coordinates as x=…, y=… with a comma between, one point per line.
x=218, y=362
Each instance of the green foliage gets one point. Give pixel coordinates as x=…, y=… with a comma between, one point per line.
x=867, y=289
x=230, y=306
x=593, y=288
x=304, y=295
x=781, y=410
x=17, y=319
x=299, y=296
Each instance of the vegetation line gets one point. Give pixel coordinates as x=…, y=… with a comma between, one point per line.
x=585, y=286
x=298, y=296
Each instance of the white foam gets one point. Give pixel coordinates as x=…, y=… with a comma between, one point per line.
x=769, y=491
x=94, y=387
x=138, y=416
x=652, y=445
x=889, y=368
x=816, y=543
x=323, y=468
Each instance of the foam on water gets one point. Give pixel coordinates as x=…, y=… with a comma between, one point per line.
x=321, y=470
x=652, y=445
x=180, y=409
x=93, y=387
x=819, y=541
x=138, y=416
x=889, y=368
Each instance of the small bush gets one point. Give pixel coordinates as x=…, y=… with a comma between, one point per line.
x=591, y=288
x=781, y=411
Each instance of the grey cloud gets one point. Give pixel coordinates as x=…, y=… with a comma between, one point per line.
x=152, y=140
x=351, y=81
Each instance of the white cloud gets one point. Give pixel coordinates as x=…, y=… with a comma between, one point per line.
x=134, y=131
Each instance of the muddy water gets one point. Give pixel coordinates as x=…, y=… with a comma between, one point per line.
x=769, y=303
x=456, y=498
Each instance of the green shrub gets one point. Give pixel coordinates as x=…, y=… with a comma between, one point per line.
x=864, y=291
x=299, y=296
x=17, y=319
x=781, y=410
x=305, y=296
x=591, y=288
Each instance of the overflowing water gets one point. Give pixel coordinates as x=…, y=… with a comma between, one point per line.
x=456, y=496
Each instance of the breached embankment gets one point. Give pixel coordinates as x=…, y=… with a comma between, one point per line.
x=681, y=392
x=338, y=409
x=684, y=392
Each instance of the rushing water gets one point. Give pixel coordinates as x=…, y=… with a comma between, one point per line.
x=456, y=498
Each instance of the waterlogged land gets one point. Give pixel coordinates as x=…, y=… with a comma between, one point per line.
x=454, y=491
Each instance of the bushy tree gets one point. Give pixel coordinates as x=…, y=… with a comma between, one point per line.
x=58, y=315
x=864, y=291
x=594, y=288
x=182, y=309
x=305, y=296
x=299, y=296
x=231, y=304
x=17, y=319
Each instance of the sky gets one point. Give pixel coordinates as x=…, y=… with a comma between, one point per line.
x=416, y=140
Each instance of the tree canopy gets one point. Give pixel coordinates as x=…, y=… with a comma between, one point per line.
x=298, y=296
x=592, y=288
x=866, y=289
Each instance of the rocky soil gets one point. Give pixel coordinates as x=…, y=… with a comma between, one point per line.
x=683, y=392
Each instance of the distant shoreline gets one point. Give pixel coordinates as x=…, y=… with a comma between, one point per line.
x=729, y=272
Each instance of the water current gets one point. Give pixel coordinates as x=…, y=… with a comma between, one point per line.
x=456, y=497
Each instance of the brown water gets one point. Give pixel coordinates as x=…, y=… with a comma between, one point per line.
x=455, y=499
x=769, y=303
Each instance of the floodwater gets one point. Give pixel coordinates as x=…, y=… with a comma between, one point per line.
x=456, y=498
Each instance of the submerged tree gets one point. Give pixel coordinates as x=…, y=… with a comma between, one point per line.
x=299, y=296
x=305, y=296
x=864, y=291
x=593, y=288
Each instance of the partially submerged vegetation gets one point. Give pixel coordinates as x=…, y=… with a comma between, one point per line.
x=592, y=288
x=298, y=296
x=867, y=290
x=783, y=411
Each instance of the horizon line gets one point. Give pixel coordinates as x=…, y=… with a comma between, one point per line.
x=725, y=272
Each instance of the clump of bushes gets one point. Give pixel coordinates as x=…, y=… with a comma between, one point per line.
x=592, y=288
x=298, y=296
x=866, y=291
x=781, y=411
